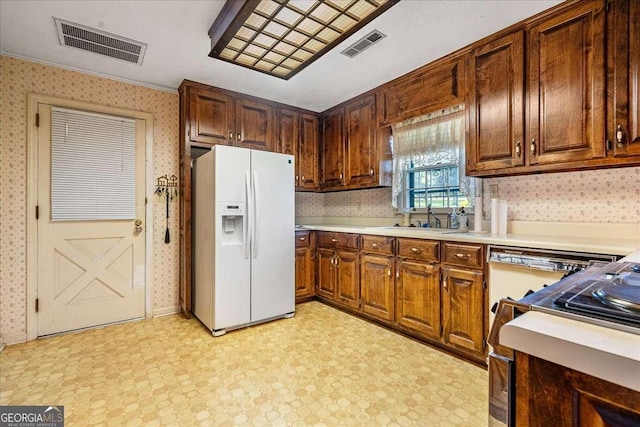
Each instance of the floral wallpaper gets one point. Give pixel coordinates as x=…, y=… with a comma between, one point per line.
x=17, y=79
x=597, y=196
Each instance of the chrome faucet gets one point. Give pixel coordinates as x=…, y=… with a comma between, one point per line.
x=429, y=214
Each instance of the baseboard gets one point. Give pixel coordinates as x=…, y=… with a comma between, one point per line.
x=12, y=339
x=165, y=311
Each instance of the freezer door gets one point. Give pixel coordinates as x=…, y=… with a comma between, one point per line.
x=272, y=251
x=232, y=266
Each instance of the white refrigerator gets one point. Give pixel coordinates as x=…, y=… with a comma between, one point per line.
x=243, y=242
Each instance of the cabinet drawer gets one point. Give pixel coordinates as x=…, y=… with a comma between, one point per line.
x=378, y=244
x=338, y=240
x=303, y=239
x=418, y=249
x=463, y=255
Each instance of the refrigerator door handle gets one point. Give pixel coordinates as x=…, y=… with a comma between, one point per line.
x=255, y=212
x=247, y=219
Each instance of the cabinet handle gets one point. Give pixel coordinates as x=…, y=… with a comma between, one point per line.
x=296, y=178
x=341, y=176
x=374, y=245
x=302, y=178
x=302, y=239
x=337, y=260
x=444, y=284
x=463, y=256
x=230, y=136
x=533, y=147
x=518, y=153
x=416, y=250
x=334, y=240
x=371, y=172
x=389, y=272
x=398, y=273
x=619, y=136
x=239, y=137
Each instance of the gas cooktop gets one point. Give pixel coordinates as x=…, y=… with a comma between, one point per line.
x=608, y=296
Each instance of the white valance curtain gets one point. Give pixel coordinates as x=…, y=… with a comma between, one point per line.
x=436, y=138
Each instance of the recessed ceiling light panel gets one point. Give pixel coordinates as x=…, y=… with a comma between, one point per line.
x=282, y=37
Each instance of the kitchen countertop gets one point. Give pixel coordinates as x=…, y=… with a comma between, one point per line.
x=598, y=245
x=603, y=353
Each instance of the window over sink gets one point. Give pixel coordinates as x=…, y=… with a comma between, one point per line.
x=428, y=162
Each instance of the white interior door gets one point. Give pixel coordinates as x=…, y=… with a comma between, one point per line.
x=91, y=271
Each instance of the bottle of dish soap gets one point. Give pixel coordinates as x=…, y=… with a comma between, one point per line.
x=462, y=219
x=454, y=218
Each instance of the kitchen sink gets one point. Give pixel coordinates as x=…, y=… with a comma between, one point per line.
x=427, y=230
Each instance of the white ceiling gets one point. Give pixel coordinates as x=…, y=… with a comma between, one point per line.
x=418, y=31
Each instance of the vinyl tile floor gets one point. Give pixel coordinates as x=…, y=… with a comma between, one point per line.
x=321, y=368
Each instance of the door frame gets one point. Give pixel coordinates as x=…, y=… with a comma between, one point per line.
x=32, y=196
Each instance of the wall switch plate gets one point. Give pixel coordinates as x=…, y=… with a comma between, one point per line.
x=493, y=190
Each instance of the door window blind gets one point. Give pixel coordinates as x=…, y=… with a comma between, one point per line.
x=92, y=166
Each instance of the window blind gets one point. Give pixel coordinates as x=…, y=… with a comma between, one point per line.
x=92, y=166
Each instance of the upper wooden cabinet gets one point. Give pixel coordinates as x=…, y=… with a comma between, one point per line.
x=422, y=91
x=333, y=148
x=298, y=136
x=560, y=93
x=566, y=76
x=210, y=117
x=255, y=125
x=360, y=133
x=495, y=105
x=215, y=117
x=624, y=92
x=355, y=153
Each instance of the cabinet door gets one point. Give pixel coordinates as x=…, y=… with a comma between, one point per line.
x=305, y=273
x=307, y=156
x=348, y=278
x=255, y=125
x=288, y=131
x=376, y=275
x=326, y=274
x=463, y=308
x=332, y=149
x=288, y=134
x=566, y=86
x=211, y=117
x=495, y=104
x=418, y=297
x=361, y=151
x=624, y=129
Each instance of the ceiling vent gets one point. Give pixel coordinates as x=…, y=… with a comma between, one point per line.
x=367, y=41
x=101, y=42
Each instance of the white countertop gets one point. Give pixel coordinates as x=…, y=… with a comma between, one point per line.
x=603, y=353
x=597, y=245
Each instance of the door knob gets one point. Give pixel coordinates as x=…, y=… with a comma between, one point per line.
x=137, y=229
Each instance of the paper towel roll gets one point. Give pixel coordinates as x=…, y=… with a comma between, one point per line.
x=477, y=216
x=502, y=216
x=494, y=216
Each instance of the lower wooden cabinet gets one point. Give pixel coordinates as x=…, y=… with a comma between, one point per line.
x=347, y=278
x=377, y=280
x=463, y=308
x=418, y=297
x=326, y=273
x=403, y=283
x=305, y=262
x=552, y=395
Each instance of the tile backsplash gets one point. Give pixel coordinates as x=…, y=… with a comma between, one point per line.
x=597, y=196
